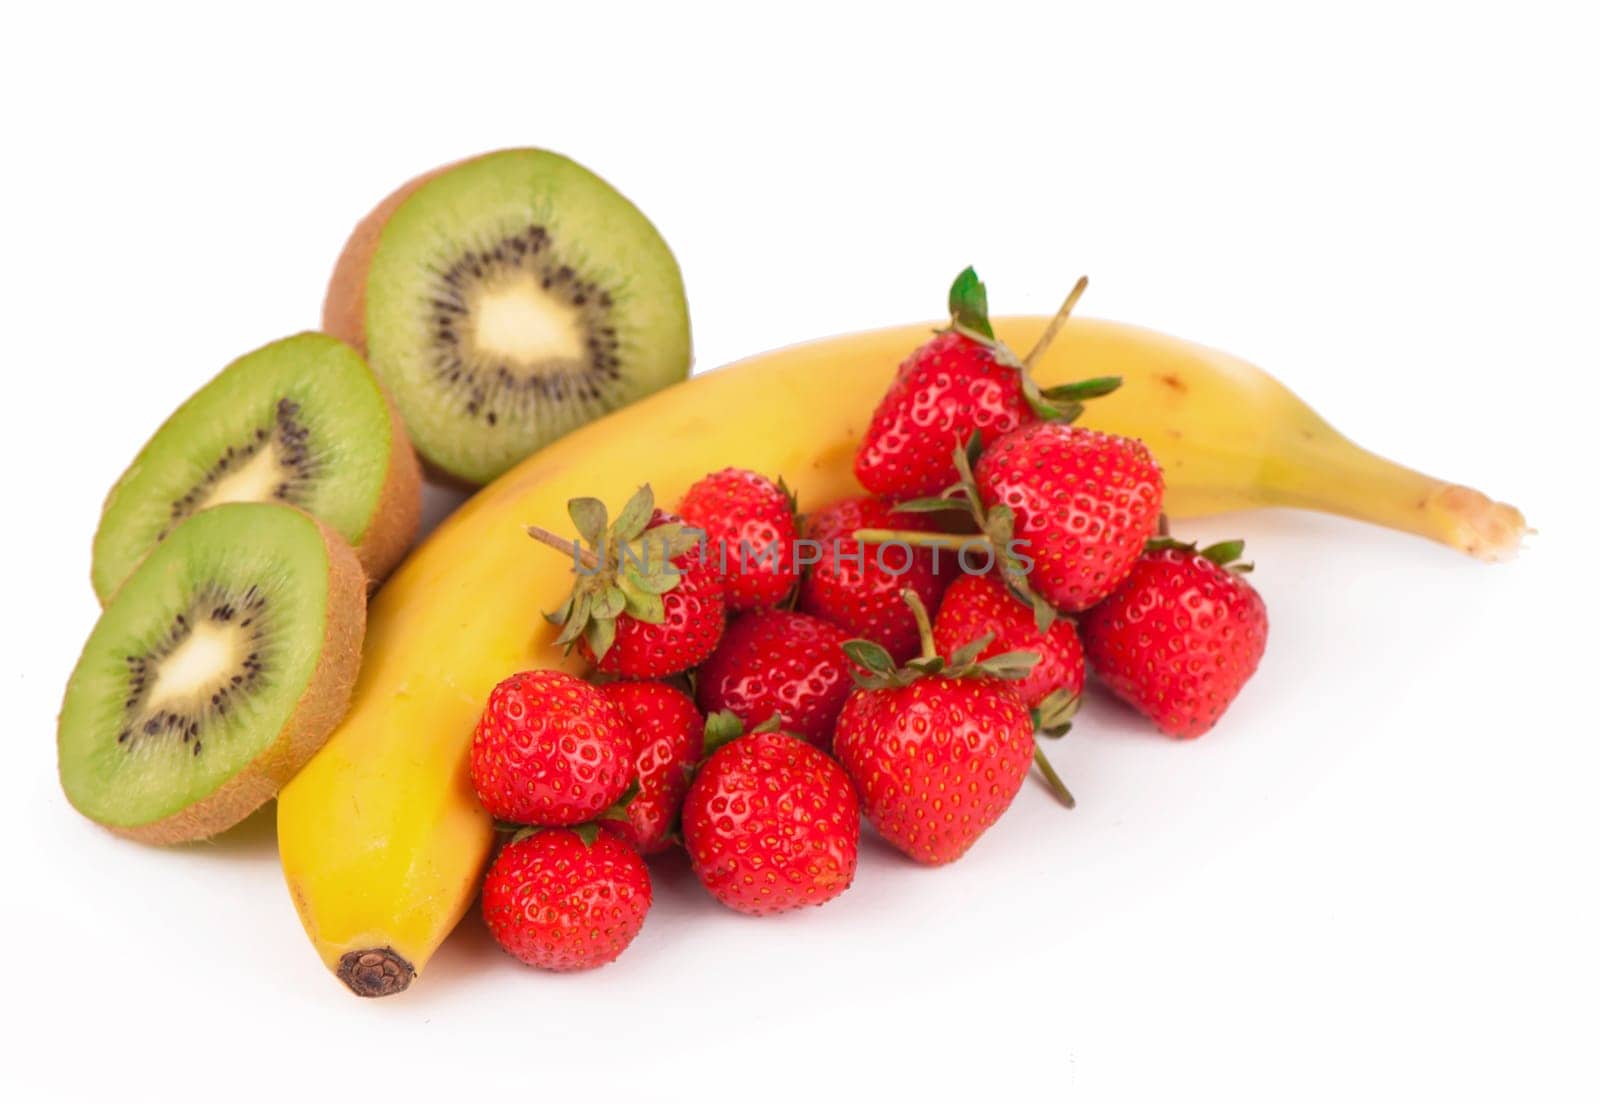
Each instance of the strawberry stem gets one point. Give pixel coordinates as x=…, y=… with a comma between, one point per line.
x=952, y=542
x=1052, y=779
x=924, y=626
x=577, y=552
x=1054, y=328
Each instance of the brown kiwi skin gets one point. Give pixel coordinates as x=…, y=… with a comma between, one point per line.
x=398, y=518
x=318, y=712
x=344, y=307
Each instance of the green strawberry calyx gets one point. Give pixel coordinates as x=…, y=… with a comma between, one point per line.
x=792, y=497
x=724, y=727
x=588, y=831
x=877, y=669
x=969, y=309
x=620, y=568
x=1053, y=716
x=969, y=316
x=1225, y=554
x=792, y=599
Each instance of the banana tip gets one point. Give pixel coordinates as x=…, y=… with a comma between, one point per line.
x=375, y=972
x=1479, y=526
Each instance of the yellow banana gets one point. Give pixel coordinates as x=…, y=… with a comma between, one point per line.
x=381, y=839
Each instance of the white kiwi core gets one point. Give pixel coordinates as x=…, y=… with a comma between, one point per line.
x=198, y=667
x=514, y=320
x=257, y=480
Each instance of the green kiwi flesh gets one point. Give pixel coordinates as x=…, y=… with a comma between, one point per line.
x=515, y=297
x=301, y=421
x=217, y=670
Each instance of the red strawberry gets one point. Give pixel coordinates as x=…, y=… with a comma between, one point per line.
x=750, y=532
x=960, y=383
x=850, y=587
x=938, y=748
x=670, y=732
x=842, y=518
x=777, y=663
x=771, y=824
x=1081, y=505
x=1180, y=637
x=951, y=387
x=560, y=901
x=550, y=749
x=644, y=603
x=980, y=605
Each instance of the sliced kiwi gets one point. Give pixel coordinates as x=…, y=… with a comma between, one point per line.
x=301, y=421
x=506, y=300
x=218, y=669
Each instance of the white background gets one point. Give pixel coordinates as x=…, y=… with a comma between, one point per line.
x=1376, y=876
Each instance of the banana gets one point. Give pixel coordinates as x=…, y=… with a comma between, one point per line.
x=381, y=838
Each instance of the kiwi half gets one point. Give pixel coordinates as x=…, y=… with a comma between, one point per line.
x=506, y=300
x=215, y=673
x=301, y=421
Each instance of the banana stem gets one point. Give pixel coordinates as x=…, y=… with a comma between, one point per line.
x=1342, y=478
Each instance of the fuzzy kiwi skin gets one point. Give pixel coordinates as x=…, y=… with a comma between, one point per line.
x=398, y=518
x=320, y=709
x=344, y=307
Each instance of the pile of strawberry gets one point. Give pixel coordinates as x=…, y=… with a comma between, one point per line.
x=751, y=704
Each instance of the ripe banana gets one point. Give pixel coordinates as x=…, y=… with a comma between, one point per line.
x=381, y=839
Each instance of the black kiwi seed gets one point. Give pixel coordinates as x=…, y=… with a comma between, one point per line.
x=210, y=603
x=518, y=390
x=294, y=457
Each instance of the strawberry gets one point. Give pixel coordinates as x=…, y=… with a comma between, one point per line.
x=982, y=605
x=1079, y=504
x=937, y=748
x=550, y=749
x=749, y=523
x=1181, y=635
x=951, y=387
x=778, y=663
x=771, y=823
x=645, y=603
x=857, y=586
x=1062, y=512
x=564, y=899
x=670, y=732
x=959, y=383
